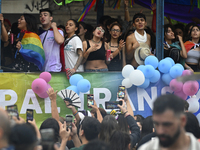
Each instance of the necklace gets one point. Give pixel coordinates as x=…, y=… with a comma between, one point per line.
x=95, y=41
x=114, y=46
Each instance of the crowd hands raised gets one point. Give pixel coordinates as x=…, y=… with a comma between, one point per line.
x=79, y=47
x=119, y=129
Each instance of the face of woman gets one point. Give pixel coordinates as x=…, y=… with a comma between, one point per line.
x=70, y=27
x=179, y=32
x=115, y=32
x=99, y=32
x=81, y=30
x=195, y=32
x=22, y=23
x=169, y=35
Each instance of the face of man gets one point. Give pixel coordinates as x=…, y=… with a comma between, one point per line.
x=168, y=127
x=45, y=18
x=139, y=23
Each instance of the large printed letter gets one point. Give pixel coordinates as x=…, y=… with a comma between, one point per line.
x=102, y=101
x=47, y=106
x=30, y=95
x=4, y=102
x=166, y=90
x=142, y=94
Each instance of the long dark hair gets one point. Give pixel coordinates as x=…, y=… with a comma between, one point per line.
x=189, y=36
x=100, y=25
x=76, y=25
x=31, y=23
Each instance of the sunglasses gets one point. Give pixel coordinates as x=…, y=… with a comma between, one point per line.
x=117, y=30
x=100, y=29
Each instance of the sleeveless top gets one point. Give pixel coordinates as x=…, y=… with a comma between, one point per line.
x=98, y=54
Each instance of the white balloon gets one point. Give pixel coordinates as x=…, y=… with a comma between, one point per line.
x=193, y=104
x=127, y=70
x=127, y=83
x=198, y=117
x=137, y=77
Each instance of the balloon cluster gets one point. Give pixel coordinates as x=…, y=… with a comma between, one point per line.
x=40, y=85
x=169, y=69
x=186, y=89
x=79, y=84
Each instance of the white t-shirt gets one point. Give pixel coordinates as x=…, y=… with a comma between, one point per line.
x=71, y=56
x=52, y=51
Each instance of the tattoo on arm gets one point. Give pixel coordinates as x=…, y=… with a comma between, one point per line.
x=80, y=58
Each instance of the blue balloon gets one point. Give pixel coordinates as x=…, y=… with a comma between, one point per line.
x=73, y=80
x=73, y=88
x=182, y=68
x=145, y=84
x=141, y=68
x=175, y=71
x=155, y=77
x=151, y=60
x=166, y=78
x=171, y=60
x=84, y=85
x=164, y=66
x=149, y=71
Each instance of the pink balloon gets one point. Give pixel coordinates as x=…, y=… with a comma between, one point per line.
x=46, y=76
x=190, y=87
x=39, y=86
x=187, y=72
x=45, y=95
x=175, y=85
x=181, y=94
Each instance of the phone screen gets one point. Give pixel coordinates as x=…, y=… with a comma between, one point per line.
x=121, y=92
x=112, y=104
x=68, y=120
x=48, y=138
x=12, y=111
x=29, y=114
x=90, y=100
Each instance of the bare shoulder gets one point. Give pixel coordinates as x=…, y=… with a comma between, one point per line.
x=130, y=38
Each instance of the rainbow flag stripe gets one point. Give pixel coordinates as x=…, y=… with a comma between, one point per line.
x=32, y=49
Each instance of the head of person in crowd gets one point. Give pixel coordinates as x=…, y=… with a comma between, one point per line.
x=72, y=27
x=169, y=34
x=23, y=137
x=14, y=29
x=147, y=126
x=169, y=119
x=179, y=29
x=186, y=106
x=46, y=17
x=139, y=21
x=94, y=114
x=139, y=119
x=27, y=22
x=7, y=24
x=103, y=19
x=108, y=125
x=97, y=145
x=51, y=123
x=82, y=30
x=109, y=22
x=187, y=29
x=99, y=32
x=120, y=140
x=192, y=125
x=4, y=129
x=115, y=31
x=89, y=129
x=194, y=33
x=122, y=123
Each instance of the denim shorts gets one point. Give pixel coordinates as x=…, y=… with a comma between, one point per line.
x=96, y=70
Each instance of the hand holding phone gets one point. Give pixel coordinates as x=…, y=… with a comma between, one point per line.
x=68, y=120
x=48, y=138
x=121, y=92
x=90, y=100
x=29, y=115
x=12, y=111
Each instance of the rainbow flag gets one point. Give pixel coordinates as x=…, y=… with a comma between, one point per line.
x=32, y=49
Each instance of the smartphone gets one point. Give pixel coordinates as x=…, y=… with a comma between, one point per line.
x=90, y=100
x=29, y=115
x=121, y=92
x=48, y=138
x=12, y=111
x=112, y=104
x=68, y=120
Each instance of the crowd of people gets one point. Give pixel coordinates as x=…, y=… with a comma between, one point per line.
x=170, y=127
x=80, y=47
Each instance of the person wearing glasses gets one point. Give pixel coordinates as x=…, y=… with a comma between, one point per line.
x=94, y=51
x=117, y=48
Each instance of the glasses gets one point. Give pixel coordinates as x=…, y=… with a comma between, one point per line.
x=117, y=30
x=100, y=29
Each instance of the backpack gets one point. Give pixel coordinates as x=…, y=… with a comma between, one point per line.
x=174, y=53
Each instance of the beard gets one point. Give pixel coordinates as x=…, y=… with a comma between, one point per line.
x=168, y=139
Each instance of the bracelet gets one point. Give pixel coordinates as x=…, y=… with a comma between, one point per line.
x=75, y=113
x=74, y=69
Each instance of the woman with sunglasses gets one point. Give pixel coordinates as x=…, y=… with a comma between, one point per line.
x=94, y=51
x=117, y=48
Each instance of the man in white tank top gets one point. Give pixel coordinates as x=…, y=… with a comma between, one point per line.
x=139, y=36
